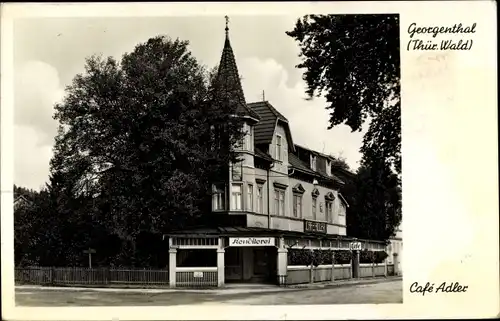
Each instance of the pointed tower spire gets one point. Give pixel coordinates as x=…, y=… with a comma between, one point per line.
x=229, y=77
x=228, y=71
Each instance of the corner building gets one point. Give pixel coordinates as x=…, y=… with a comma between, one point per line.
x=280, y=196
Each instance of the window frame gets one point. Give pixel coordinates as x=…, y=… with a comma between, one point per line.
x=297, y=206
x=314, y=208
x=238, y=165
x=260, y=198
x=249, y=204
x=218, y=197
x=279, y=201
x=279, y=147
x=233, y=204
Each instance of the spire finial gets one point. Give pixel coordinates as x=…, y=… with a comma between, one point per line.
x=227, y=24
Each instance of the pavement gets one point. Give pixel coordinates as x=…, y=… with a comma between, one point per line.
x=227, y=289
x=365, y=291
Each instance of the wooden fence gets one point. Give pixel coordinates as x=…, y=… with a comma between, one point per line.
x=94, y=276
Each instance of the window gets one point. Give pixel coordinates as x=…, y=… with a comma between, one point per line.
x=237, y=171
x=279, y=202
x=314, y=201
x=279, y=143
x=250, y=197
x=246, y=141
x=218, y=198
x=313, y=162
x=249, y=138
x=236, y=197
x=342, y=208
x=260, y=203
x=329, y=211
x=297, y=205
x=329, y=168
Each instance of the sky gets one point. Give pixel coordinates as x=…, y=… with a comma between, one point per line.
x=49, y=52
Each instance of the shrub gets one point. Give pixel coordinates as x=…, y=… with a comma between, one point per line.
x=367, y=256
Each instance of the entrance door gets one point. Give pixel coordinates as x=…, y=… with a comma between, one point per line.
x=233, y=261
x=264, y=264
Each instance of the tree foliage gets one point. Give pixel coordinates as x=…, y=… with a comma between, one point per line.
x=139, y=143
x=354, y=61
x=374, y=196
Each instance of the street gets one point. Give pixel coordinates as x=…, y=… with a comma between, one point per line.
x=383, y=292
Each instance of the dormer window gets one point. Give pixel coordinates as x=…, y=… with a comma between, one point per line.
x=328, y=167
x=313, y=162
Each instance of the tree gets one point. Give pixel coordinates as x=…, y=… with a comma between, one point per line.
x=374, y=196
x=140, y=142
x=354, y=61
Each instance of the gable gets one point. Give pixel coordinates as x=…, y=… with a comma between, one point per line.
x=269, y=118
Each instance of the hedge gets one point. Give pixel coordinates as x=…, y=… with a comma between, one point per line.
x=324, y=257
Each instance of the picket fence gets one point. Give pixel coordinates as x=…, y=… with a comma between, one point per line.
x=90, y=276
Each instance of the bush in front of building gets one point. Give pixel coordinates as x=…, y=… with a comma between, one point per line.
x=343, y=256
x=324, y=257
x=367, y=256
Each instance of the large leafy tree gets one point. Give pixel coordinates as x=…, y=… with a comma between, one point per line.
x=140, y=142
x=374, y=196
x=354, y=61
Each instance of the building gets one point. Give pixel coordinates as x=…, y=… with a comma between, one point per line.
x=279, y=196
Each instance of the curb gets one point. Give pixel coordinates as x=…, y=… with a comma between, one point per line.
x=345, y=283
x=216, y=291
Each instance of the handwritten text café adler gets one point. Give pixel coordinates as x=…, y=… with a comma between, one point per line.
x=279, y=196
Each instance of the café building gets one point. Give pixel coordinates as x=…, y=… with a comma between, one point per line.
x=279, y=196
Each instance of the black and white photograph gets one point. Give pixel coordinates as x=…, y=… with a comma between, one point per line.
x=211, y=160
x=198, y=153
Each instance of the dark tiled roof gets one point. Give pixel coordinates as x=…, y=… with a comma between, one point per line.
x=264, y=130
x=303, y=166
x=261, y=154
x=295, y=162
x=228, y=73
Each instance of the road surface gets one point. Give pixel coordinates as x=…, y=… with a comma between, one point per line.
x=383, y=292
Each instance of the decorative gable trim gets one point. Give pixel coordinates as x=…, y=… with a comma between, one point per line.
x=299, y=189
x=315, y=192
x=280, y=185
x=343, y=200
x=260, y=181
x=329, y=196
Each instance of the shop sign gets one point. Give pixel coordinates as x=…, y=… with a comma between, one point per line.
x=355, y=246
x=315, y=227
x=251, y=241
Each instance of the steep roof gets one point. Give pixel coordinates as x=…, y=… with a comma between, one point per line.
x=261, y=154
x=269, y=116
x=299, y=164
x=228, y=76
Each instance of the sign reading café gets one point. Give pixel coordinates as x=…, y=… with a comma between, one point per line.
x=251, y=241
x=313, y=226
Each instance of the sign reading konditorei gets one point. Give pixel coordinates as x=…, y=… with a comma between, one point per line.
x=251, y=241
x=313, y=226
